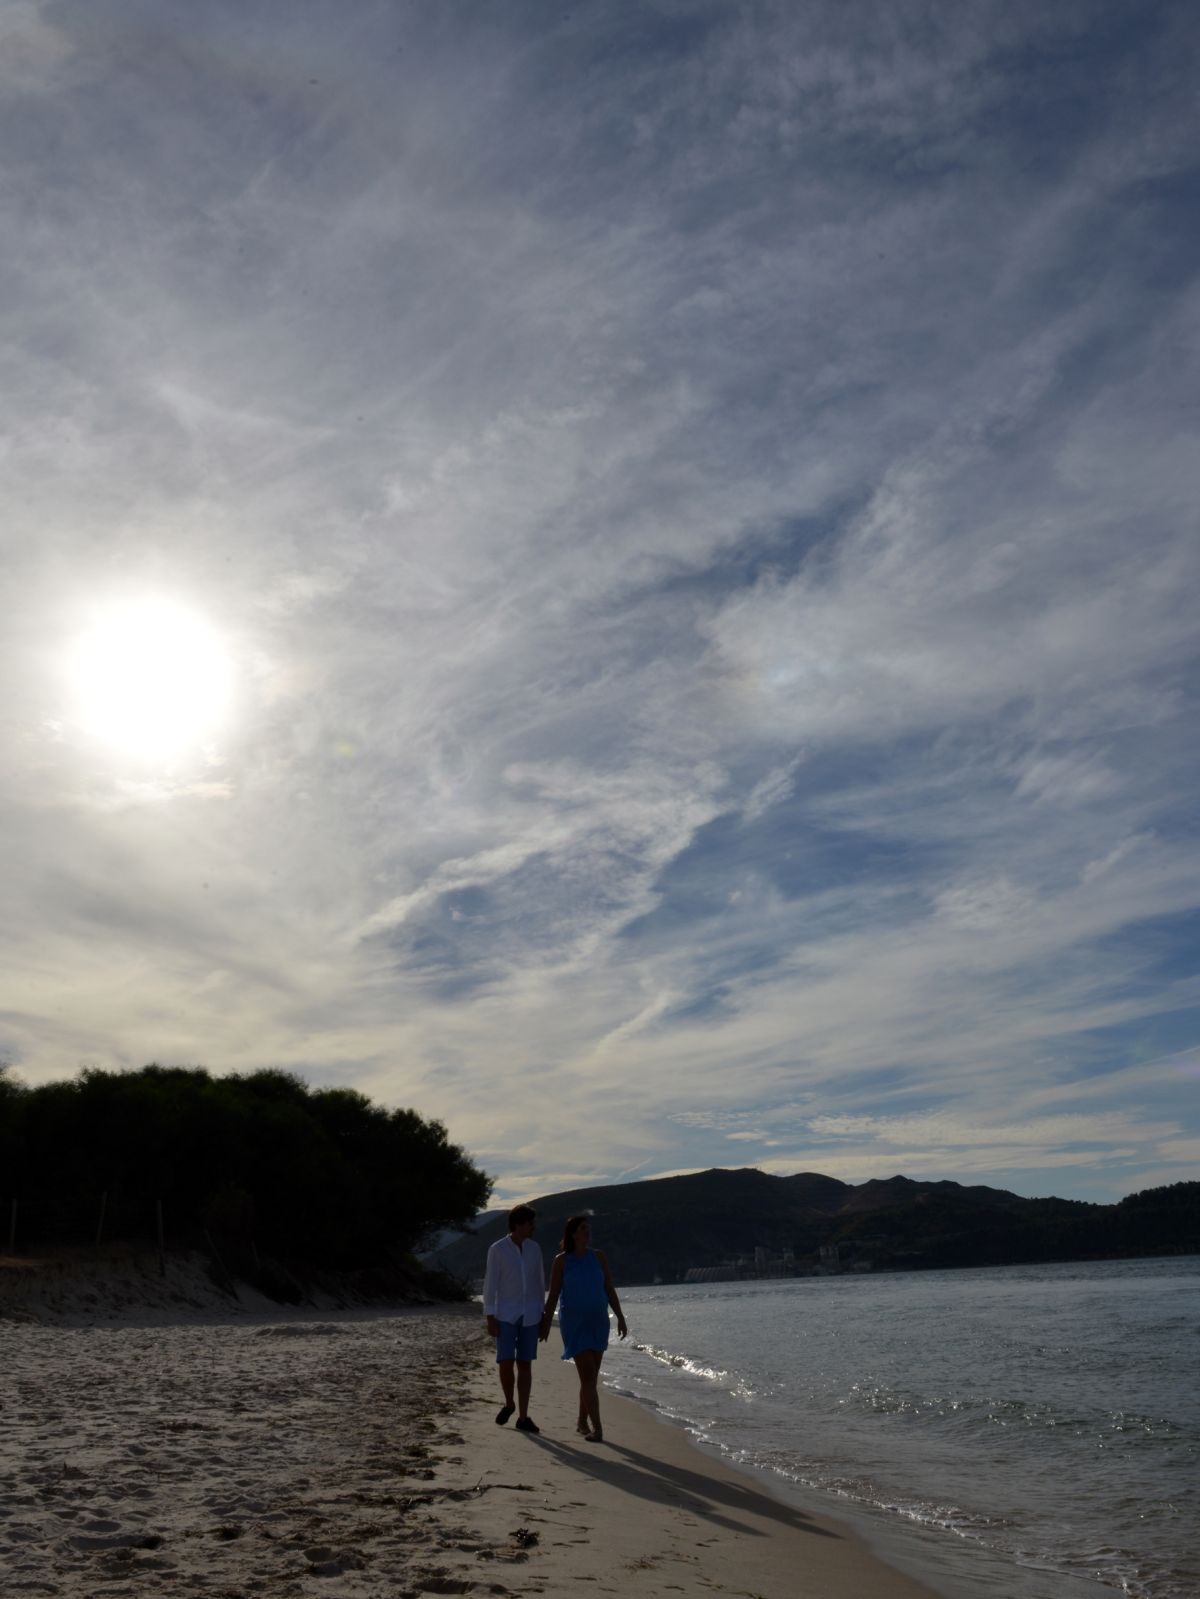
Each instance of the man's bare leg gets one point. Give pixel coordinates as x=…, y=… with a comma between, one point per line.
x=524, y=1384
x=505, y=1368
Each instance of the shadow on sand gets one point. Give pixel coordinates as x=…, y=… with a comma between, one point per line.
x=711, y=1498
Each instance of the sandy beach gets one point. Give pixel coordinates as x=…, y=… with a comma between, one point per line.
x=194, y=1448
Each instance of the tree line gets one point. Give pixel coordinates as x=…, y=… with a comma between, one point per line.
x=940, y=1229
x=259, y=1161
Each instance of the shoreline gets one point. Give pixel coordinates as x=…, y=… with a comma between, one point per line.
x=933, y=1561
x=649, y=1510
x=154, y=1448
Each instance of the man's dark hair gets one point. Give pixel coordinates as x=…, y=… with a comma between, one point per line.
x=519, y=1215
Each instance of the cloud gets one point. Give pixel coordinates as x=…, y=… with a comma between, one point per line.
x=700, y=508
x=776, y=786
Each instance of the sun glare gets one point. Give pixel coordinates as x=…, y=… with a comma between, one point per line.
x=152, y=678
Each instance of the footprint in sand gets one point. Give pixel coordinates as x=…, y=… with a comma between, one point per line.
x=324, y=1562
x=86, y=1542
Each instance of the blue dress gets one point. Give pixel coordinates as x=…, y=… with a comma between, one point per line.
x=583, y=1308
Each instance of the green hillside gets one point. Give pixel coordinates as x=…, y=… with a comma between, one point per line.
x=659, y=1229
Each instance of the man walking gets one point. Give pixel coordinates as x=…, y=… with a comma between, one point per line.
x=514, y=1288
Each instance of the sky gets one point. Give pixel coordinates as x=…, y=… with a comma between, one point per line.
x=622, y=574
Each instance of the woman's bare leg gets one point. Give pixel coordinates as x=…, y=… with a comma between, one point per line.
x=583, y=1424
x=587, y=1363
x=597, y=1429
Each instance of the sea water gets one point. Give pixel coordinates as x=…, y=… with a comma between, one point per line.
x=1026, y=1431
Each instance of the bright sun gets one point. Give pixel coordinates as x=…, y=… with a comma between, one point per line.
x=152, y=678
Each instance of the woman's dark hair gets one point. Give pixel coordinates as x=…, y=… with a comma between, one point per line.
x=569, y=1231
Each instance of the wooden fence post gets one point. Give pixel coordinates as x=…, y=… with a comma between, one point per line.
x=100, y=1222
x=12, y=1227
x=162, y=1256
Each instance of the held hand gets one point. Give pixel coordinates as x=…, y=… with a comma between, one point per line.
x=493, y=1327
x=543, y=1329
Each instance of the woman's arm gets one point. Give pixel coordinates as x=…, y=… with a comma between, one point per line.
x=611, y=1294
x=556, y=1273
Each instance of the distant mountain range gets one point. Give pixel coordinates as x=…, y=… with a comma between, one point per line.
x=662, y=1228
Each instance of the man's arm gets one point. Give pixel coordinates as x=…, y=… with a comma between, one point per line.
x=491, y=1284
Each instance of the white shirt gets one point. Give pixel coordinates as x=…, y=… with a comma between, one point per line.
x=514, y=1285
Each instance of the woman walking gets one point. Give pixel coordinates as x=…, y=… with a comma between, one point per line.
x=581, y=1275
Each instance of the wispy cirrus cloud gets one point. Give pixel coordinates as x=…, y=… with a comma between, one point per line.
x=699, y=503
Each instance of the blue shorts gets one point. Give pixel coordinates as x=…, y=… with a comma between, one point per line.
x=516, y=1341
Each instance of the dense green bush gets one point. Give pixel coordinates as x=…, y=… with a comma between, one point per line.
x=259, y=1161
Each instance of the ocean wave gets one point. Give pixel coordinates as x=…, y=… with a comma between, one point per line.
x=695, y=1368
x=987, y=1410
